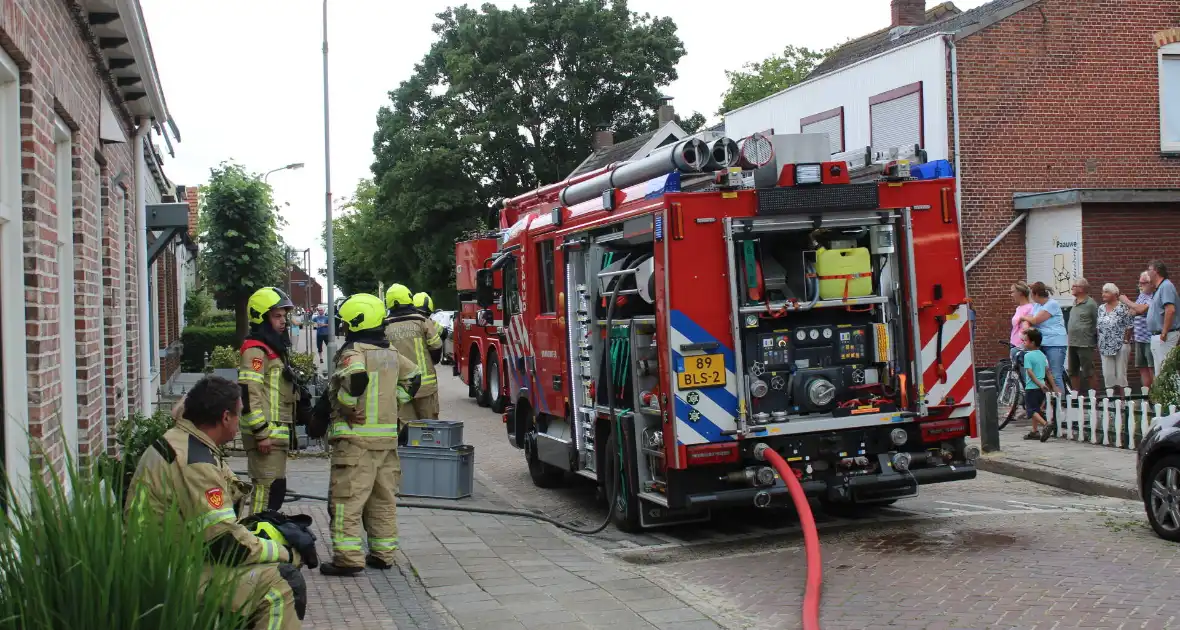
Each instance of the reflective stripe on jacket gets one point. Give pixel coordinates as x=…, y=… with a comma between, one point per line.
x=268, y=409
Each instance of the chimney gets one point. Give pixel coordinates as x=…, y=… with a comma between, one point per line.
x=908, y=12
x=603, y=139
x=666, y=113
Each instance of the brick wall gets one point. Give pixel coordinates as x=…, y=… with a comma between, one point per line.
x=58, y=77
x=1063, y=94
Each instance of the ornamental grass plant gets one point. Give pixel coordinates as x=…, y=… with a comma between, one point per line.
x=69, y=561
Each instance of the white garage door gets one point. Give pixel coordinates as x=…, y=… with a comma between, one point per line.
x=897, y=122
x=833, y=126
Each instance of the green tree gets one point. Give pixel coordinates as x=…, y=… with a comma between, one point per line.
x=504, y=101
x=241, y=249
x=356, y=239
x=774, y=74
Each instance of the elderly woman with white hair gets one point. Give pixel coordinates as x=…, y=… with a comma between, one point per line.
x=1114, y=327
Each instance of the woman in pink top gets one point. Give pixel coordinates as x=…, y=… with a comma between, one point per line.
x=1020, y=293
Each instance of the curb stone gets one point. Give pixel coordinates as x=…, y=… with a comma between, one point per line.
x=1056, y=477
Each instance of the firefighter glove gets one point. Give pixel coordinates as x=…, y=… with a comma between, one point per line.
x=414, y=384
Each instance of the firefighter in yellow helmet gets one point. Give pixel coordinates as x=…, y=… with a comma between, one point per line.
x=415, y=335
x=370, y=381
x=270, y=396
x=184, y=472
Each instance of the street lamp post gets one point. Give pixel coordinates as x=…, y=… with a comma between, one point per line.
x=289, y=167
x=331, y=266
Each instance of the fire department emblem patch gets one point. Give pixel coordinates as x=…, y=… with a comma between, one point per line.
x=694, y=416
x=256, y=364
x=694, y=398
x=215, y=498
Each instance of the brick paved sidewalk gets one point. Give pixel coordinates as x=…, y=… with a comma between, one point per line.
x=483, y=572
x=1073, y=466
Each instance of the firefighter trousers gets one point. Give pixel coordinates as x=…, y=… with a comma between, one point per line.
x=270, y=596
x=424, y=408
x=268, y=473
x=361, y=495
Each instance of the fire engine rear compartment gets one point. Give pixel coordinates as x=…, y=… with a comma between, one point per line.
x=795, y=393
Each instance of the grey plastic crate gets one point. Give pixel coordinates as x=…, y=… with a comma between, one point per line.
x=437, y=473
x=434, y=433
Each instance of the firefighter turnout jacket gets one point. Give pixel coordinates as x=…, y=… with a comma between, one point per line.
x=369, y=384
x=268, y=404
x=184, y=471
x=415, y=335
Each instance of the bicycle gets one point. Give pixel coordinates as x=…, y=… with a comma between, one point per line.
x=1010, y=386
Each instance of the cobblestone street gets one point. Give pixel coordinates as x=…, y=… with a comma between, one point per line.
x=996, y=552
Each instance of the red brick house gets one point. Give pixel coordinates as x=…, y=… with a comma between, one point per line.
x=80, y=105
x=1062, y=118
x=305, y=291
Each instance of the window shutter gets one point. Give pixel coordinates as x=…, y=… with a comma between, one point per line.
x=897, y=122
x=833, y=126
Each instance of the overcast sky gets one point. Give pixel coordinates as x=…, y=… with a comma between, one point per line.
x=244, y=81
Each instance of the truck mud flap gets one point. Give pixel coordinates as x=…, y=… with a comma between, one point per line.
x=655, y=515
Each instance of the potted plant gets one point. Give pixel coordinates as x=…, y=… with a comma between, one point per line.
x=224, y=362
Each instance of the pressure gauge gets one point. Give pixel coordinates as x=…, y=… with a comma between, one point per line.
x=814, y=334
x=827, y=333
x=801, y=335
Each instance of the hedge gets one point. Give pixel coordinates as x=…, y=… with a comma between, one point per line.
x=201, y=340
x=218, y=318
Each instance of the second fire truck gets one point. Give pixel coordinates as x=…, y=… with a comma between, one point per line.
x=653, y=337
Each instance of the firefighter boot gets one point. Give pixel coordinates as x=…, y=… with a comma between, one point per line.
x=278, y=492
x=264, y=470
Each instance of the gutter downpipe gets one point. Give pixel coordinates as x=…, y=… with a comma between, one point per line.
x=950, y=39
x=146, y=353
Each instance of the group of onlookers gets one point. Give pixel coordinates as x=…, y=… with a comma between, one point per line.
x=1113, y=329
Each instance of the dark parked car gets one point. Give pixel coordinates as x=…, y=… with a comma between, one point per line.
x=1158, y=472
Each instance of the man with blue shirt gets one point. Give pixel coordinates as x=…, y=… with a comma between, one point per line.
x=1162, y=323
x=321, y=331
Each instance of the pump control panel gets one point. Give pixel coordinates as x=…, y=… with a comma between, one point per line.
x=813, y=346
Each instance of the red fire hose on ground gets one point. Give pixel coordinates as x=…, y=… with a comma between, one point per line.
x=811, y=593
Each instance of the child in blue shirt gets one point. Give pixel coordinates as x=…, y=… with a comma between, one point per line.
x=1038, y=381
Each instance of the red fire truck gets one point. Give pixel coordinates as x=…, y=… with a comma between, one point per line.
x=654, y=336
x=478, y=359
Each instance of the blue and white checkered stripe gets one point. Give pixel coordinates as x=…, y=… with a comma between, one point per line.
x=716, y=407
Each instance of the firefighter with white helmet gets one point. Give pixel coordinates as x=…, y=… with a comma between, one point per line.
x=370, y=381
x=269, y=396
x=416, y=336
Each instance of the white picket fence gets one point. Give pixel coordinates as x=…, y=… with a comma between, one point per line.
x=1116, y=421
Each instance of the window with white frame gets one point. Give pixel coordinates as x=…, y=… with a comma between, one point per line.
x=895, y=118
x=64, y=197
x=1169, y=60
x=830, y=122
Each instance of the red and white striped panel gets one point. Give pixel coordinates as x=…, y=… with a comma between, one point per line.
x=957, y=361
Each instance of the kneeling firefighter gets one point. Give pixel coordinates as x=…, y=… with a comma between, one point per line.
x=270, y=396
x=184, y=472
x=415, y=335
x=370, y=380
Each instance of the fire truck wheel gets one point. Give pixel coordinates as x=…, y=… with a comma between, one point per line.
x=626, y=515
x=852, y=509
x=493, y=393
